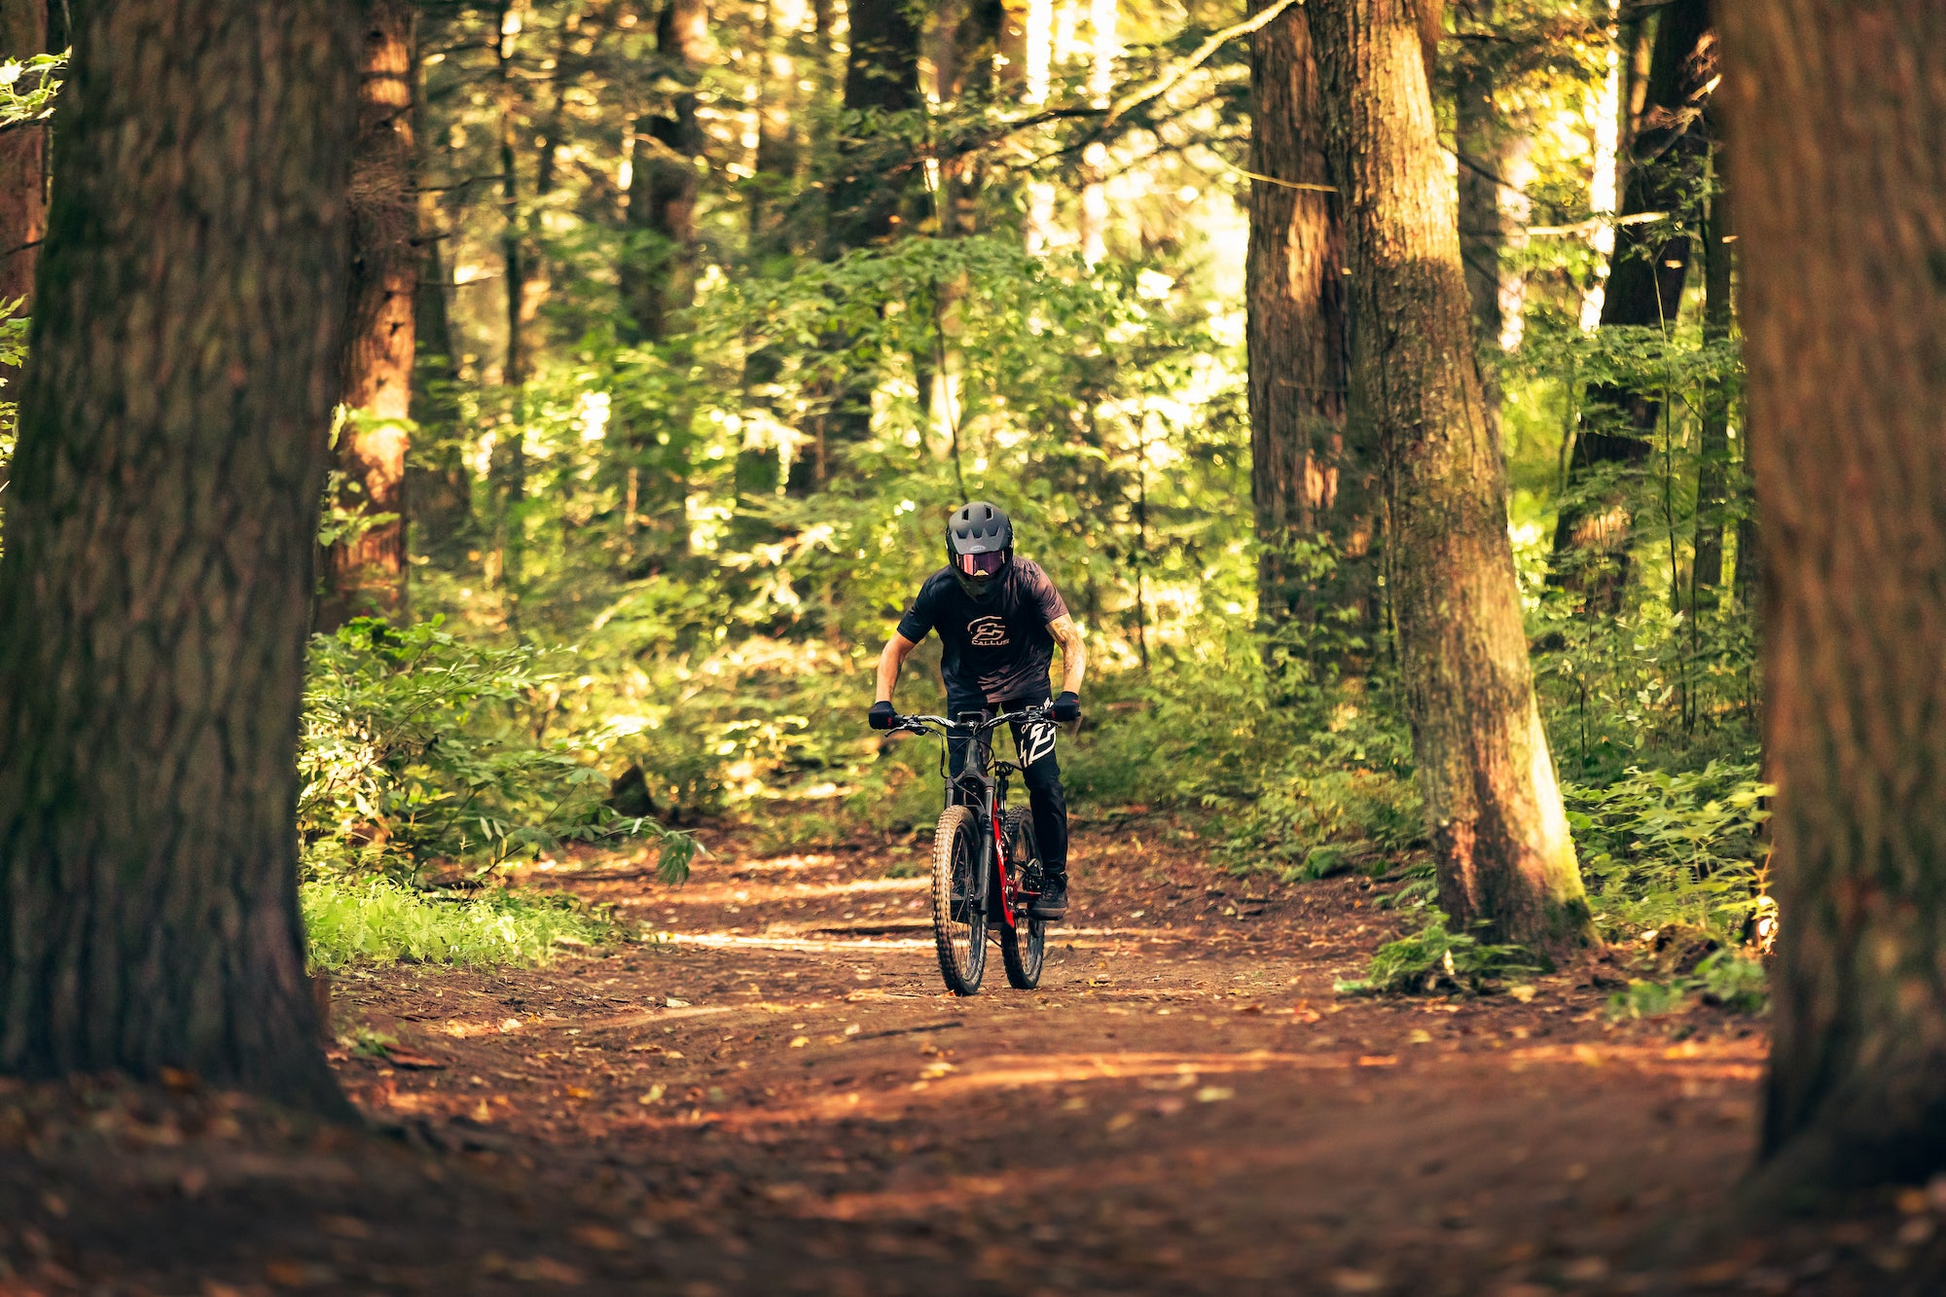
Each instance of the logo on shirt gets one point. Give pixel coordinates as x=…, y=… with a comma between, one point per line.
x=988, y=632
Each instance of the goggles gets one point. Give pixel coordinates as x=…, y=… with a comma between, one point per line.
x=982, y=564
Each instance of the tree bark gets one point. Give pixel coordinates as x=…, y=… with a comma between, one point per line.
x=160, y=530
x=365, y=573
x=1500, y=835
x=1311, y=486
x=1840, y=179
x=1645, y=286
x=23, y=163
x=659, y=274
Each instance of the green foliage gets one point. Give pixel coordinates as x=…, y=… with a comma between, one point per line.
x=1435, y=957
x=418, y=747
x=28, y=87
x=1661, y=850
x=383, y=921
x=1727, y=978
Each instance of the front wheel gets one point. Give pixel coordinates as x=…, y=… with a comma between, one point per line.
x=1023, y=944
x=959, y=921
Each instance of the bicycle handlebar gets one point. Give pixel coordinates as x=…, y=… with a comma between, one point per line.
x=925, y=724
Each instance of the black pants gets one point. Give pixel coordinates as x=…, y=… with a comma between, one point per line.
x=1034, y=745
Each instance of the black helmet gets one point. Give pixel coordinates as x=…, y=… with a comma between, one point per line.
x=979, y=546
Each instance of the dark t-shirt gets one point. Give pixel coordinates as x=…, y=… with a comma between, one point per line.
x=998, y=648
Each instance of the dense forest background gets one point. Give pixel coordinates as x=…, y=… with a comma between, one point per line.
x=677, y=329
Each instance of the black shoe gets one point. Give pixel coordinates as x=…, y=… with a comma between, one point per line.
x=1052, y=903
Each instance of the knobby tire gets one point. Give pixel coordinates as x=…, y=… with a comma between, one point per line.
x=1023, y=946
x=962, y=939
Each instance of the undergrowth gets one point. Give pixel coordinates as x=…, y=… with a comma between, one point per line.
x=379, y=920
x=1436, y=957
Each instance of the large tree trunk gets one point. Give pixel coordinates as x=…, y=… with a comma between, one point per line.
x=23, y=162
x=659, y=274
x=160, y=529
x=1500, y=836
x=1838, y=115
x=1645, y=286
x=365, y=572
x=1311, y=486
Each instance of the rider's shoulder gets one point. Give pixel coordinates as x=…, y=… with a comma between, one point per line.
x=937, y=582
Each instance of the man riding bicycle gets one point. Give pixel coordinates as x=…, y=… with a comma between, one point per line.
x=998, y=619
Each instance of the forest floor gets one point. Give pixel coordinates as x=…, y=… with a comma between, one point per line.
x=774, y=1096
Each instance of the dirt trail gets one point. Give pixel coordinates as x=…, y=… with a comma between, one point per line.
x=776, y=1096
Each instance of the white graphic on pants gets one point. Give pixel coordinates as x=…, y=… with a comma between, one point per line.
x=1040, y=741
x=988, y=632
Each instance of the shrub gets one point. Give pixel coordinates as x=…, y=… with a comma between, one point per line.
x=1434, y=957
x=1661, y=850
x=381, y=920
x=417, y=747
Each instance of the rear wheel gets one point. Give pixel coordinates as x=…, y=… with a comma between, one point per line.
x=959, y=921
x=1023, y=946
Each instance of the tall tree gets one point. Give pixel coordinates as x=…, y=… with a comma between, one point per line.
x=1310, y=480
x=1492, y=157
x=659, y=275
x=872, y=197
x=365, y=568
x=1500, y=835
x=185, y=355
x=23, y=160
x=1713, y=441
x=872, y=193
x=509, y=465
x=1835, y=160
x=1645, y=286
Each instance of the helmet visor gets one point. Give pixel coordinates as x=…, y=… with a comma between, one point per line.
x=982, y=564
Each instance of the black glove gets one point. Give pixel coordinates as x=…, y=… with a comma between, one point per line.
x=1068, y=706
x=881, y=716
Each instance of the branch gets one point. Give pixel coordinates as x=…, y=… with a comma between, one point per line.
x=1163, y=84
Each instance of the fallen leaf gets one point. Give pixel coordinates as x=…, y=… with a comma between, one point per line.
x=1525, y=994
x=600, y=1236
x=399, y=1056
x=285, y=1274
x=1215, y=1094
x=799, y=1042
x=1378, y=1060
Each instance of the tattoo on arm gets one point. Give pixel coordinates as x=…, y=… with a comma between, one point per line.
x=1074, y=656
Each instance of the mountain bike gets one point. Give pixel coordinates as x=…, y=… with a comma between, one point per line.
x=986, y=867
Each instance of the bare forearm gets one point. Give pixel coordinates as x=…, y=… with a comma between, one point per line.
x=1074, y=654
x=890, y=662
